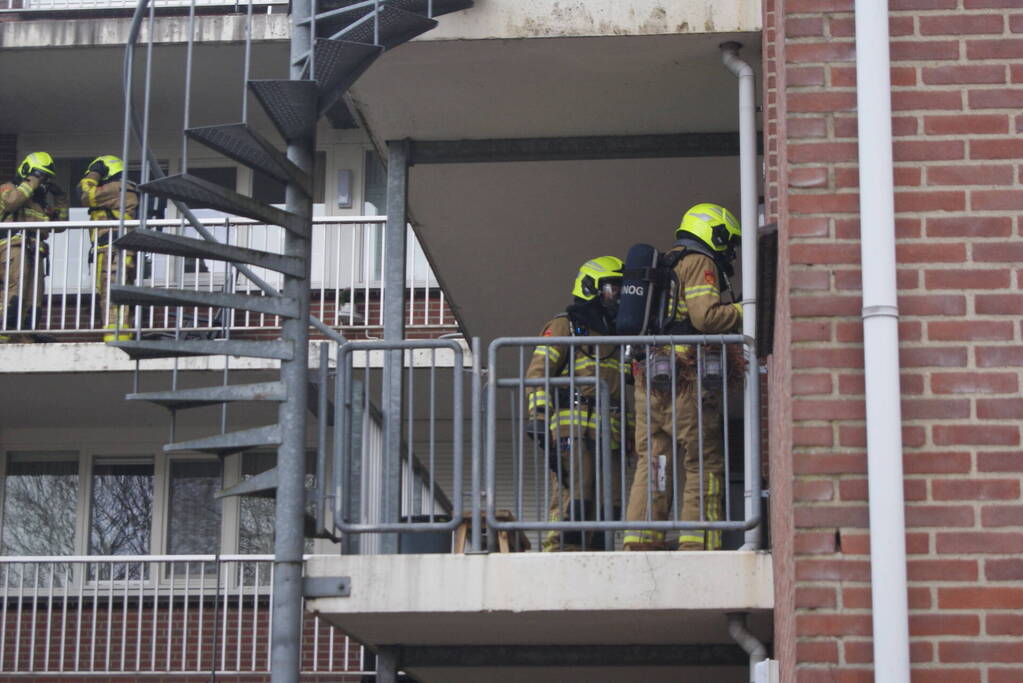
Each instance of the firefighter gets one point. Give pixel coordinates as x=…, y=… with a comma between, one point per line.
x=704, y=248
x=570, y=417
x=32, y=196
x=100, y=190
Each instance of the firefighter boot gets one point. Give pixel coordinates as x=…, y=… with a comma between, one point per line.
x=11, y=336
x=639, y=545
x=690, y=545
x=644, y=540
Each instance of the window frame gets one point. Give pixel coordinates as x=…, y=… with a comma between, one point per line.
x=169, y=461
x=134, y=458
x=88, y=458
x=45, y=455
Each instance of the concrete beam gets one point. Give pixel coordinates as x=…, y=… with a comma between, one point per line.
x=113, y=32
x=701, y=654
x=574, y=148
x=562, y=18
x=495, y=19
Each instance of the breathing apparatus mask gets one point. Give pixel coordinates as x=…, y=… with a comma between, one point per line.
x=610, y=296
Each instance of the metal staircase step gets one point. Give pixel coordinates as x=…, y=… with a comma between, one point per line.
x=438, y=7
x=291, y=105
x=216, y=395
x=361, y=7
x=151, y=296
x=240, y=142
x=176, y=245
x=396, y=27
x=231, y=442
x=203, y=194
x=338, y=64
x=263, y=485
x=180, y=348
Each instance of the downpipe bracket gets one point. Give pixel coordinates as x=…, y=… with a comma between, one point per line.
x=880, y=311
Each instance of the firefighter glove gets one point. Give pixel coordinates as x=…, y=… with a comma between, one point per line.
x=99, y=167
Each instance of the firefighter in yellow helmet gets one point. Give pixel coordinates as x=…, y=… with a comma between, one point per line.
x=31, y=196
x=705, y=248
x=100, y=190
x=564, y=424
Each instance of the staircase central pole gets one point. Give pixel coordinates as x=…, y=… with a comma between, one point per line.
x=285, y=657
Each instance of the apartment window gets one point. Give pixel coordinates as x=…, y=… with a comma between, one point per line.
x=256, y=515
x=271, y=191
x=194, y=513
x=40, y=501
x=121, y=507
x=225, y=176
x=72, y=503
x=374, y=203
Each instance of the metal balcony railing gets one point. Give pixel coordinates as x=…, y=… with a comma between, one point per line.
x=575, y=443
x=346, y=278
x=174, y=614
x=596, y=442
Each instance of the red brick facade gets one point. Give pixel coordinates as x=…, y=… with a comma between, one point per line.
x=123, y=638
x=957, y=97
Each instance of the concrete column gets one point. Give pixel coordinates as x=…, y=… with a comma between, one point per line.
x=394, y=330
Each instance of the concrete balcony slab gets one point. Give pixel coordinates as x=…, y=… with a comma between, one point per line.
x=647, y=598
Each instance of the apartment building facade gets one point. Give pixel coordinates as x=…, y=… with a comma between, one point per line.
x=540, y=134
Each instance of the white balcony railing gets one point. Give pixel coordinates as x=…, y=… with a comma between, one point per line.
x=152, y=615
x=346, y=282
x=91, y=5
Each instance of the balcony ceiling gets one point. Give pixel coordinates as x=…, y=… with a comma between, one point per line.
x=507, y=238
x=76, y=99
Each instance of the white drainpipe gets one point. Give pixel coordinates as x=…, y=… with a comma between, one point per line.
x=881, y=345
x=749, y=220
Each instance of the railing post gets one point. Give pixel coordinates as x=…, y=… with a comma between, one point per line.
x=387, y=665
x=477, y=379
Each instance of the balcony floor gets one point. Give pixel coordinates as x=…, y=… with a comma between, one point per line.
x=650, y=598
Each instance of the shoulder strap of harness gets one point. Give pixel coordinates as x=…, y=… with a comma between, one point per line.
x=671, y=259
x=692, y=245
x=726, y=283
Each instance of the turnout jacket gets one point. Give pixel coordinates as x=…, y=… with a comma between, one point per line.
x=576, y=409
x=699, y=297
x=104, y=200
x=20, y=203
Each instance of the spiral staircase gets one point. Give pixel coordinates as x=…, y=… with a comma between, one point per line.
x=333, y=43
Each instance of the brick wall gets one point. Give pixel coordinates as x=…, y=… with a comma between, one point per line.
x=122, y=640
x=957, y=95
x=775, y=127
